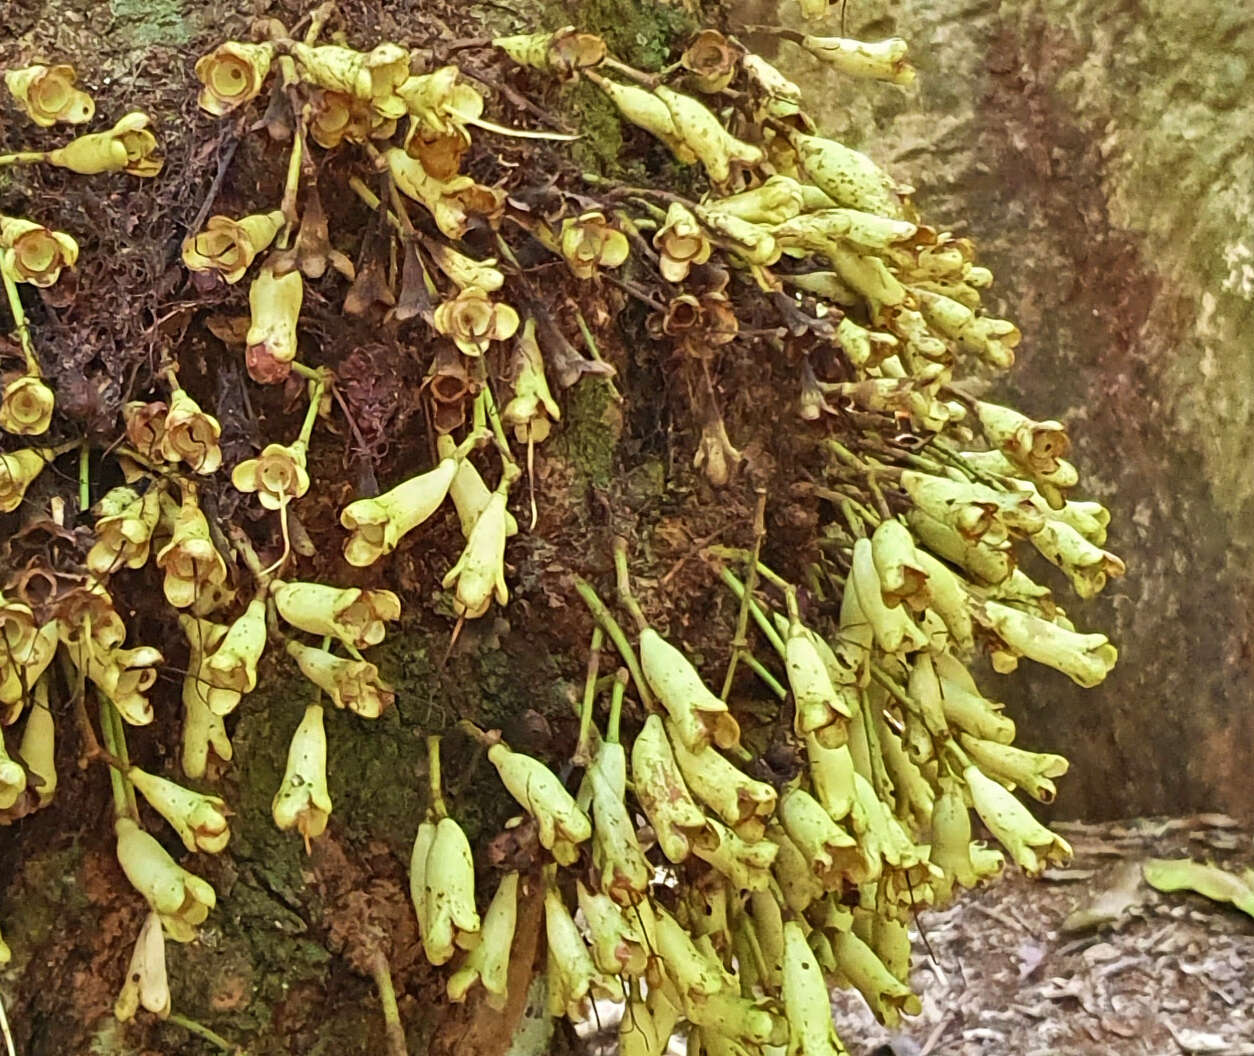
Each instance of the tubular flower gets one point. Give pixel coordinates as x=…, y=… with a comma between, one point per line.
x=682, y=243
x=807, y=1005
x=562, y=825
x=179, y=898
x=746, y=863
x=712, y=60
x=199, y=819
x=776, y=201
x=886, y=995
x=1087, y=566
x=12, y=780
x=902, y=577
x=232, y=74
x=147, y=985
x=694, y=974
x=124, y=676
x=620, y=939
x=124, y=537
x=716, y=148
x=616, y=852
x=352, y=684
x=30, y=252
x=26, y=406
x=661, y=792
x=700, y=718
x=373, y=76
x=302, y=801
x=18, y=470
x=480, y=571
x=645, y=110
x=469, y=493
x=733, y=795
x=466, y=271
x=277, y=475
x=449, y=879
x=230, y=246
x=354, y=616
x=564, y=51
x=1037, y=447
x=26, y=652
x=571, y=970
x=832, y=853
x=202, y=729
x=190, y=561
x=1030, y=771
x=732, y=1024
x=1029, y=843
x=231, y=669
x=532, y=408
x=48, y=95
x=145, y=427
x=1086, y=658
x=589, y=242
x=488, y=962
x=274, y=301
x=38, y=747
x=894, y=630
x=418, y=857
x=191, y=435
x=880, y=60
x=820, y=710
x=127, y=147
x=338, y=116
x=847, y=176
x=473, y=321
x=438, y=101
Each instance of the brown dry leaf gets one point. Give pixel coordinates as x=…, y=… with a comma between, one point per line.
x=1122, y=892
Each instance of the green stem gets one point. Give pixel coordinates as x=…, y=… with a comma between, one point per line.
x=201, y=1031
x=387, y=1001
x=20, y=324
x=616, y=706
x=84, y=477
x=438, y=807
x=759, y=617
x=612, y=628
x=23, y=157
x=583, y=747
x=623, y=583
x=735, y=553
x=317, y=387
x=740, y=644
x=124, y=805
x=772, y=683
x=498, y=427
x=594, y=351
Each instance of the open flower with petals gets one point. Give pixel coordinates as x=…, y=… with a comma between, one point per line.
x=123, y=539
x=145, y=427
x=48, y=95
x=474, y=321
x=127, y=147
x=26, y=406
x=712, y=59
x=33, y=253
x=532, y=408
x=277, y=475
x=229, y=246
x=441, y=102
x=147, y=984
x=682, y=243
x=190, y=560
x=124, y=676
x=373, y=76
x=231, y=669
x=352, y=615
x=18, y=470
x=232, y=74
x=302, y=801
x=179, y=898
x=198, y=818
x=589, y=242
x=480, y=571
x=275, y=301
x=352, y=684
x=191, y=435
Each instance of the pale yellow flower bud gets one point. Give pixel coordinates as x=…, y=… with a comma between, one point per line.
x=181, y=899
x=198, y=818
x=352, y=684
x=302, y=801
x=449, y=877
x=887, y=996
x=488, y=963
x=146, y=985
x=274, y=301
x=880, y=60
x=353, y=615
x=847, y=176
x=561, y=823
x=699, y=716
x=127, y=147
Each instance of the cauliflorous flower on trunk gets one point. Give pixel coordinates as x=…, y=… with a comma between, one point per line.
x=570, y=968
x=488, y=962
x=466, y=271
x=198, y=818
x=1029, y=843
x=124, y=676
x=232, y=74
x=564, y=51
x=733, y=795
x=532, y=408
x=145, y=427
x=12, y=779
x=701, y=130
x=373, y=76
x=202, y=729
x=682, y=243
x=229, y=246
x=191, y=435
x=351, y=614
x=1086, y=658
x=1035, y=446
x=620, y=939
x=127, y=147
x=302, y=801
x=589, y=242
x=274, y=301
x=338, y=116
x=30, y=252
x=26, y=406
x=694, y=974
x=660, y=789
x=699, y=716
x=181, y=899
x=833, y=854
x=562, y=824
x=616, y=852
x=480, y=571
x=820, y=710
x=879, y=60
x=474, y=321
x=48, y=95
x=124, y=537
x=1030, y=771
x=439, y=101
x=277, y=475
x=746, y=863
x=848, y=176
x=352, y=684
x=231, y=669
x=147, y=985
x=645, y=110
x=18, y=470
x=807, y=1005
x=38, y=747
x=452, y=921
x=190, y=561
x=952, y=846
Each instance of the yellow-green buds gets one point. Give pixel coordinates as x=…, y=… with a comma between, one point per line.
x=26, y=406
x=191, y=562
x=198, y=818
x=780, y=97
x=1219, y=885
x=202, y=728
x=951, y=849
x=480, y=570
x=124, y=537
x=570, y=966
x=738, y=799
x=30, y=252
x=230, y=246
x=616, y=853
x=564, y=51
x=831, y=774
x=880, y=60
x=232, y=74
x=702, y=132
x=191, y=435
x=694, y=974
x=231, y=669
x=12, y=779
x=1085, y=658
x=449, y=877
x=275, y=302
x=127, y=147
x=895, y=631
x=352, y=615
x=474, y=321
x=533, y=408
x=746, y=863
x=48, y=95
x=807, y=1006
x=661, y=792
x=147, y=985
x=1087, y=566
x=352, y=684
x=562, y=825
x=645, y=110
x=38, y=747
x=832, y=853
x=488, y=962
x=699, y=716
x=1030, y=771
x=589, y=242
x=849, y=177
x=820, y=709
x=372, y=76
x=681, y=243
x=1030, y=844
x=18, y=470
x=302, y=801
x=993, y=340
x=277, y=475
x=620, y=939
x=886, y=995
x=181, y=899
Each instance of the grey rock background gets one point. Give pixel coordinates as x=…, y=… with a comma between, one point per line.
x=1101, y=154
